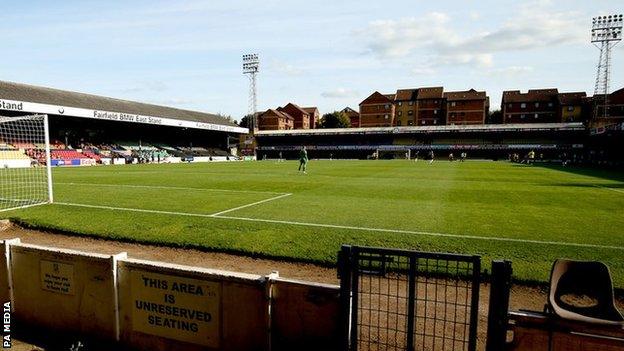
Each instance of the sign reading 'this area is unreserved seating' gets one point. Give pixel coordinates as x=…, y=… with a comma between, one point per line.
x=174, y=307
x=57, y=277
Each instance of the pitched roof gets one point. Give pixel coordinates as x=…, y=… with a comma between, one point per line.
x=532, y=95
x=349, y=110
x=377, y=98
x=406, y=94
x=296, y=107
x=310, y=110
x=575, y=98
x=430, y=93
x=278, y=113
x=390, y=96
x=465, y=95
x=43, y=95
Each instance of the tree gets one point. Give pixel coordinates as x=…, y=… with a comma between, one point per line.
x=244, y=122
x=336, y=119
x=495, y=117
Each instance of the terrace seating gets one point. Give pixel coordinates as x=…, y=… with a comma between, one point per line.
x=66, y=154
x=92, y=155
x=583, y=291
x=24, y=146
x=13, y=155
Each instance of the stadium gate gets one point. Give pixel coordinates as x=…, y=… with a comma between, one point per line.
x=408, y=300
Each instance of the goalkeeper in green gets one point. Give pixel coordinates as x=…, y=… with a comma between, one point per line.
x=303, y=159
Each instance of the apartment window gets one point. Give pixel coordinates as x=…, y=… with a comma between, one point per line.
x=536, y=116
x=423, y=122
x=387, y=106
x=435, y=121
x=435, y=112
x=410, y=112
x=453, y=104
x=510, y=105
x=409, y=123
x=400, y=103
x=509, y=116
x=411, y=103
x=523, y=105
x=550, y=104
x=537, y=104
x=522, y=116
x=400, y=113
x=570, y=108
x=452, y=115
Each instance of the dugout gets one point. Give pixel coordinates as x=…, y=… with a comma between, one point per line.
x=78, y=119
x=549, y=140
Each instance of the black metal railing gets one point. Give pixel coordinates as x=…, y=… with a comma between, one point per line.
x=408, y=300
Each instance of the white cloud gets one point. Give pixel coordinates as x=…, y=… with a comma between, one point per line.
x=533, y=26
x=511, y=71
x=423, y=70
x=340, y=93
x=175, y=101
x=284, y=68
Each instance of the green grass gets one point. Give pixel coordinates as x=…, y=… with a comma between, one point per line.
x=484, y=199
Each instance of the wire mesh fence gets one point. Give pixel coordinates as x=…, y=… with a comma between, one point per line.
x=409, y=300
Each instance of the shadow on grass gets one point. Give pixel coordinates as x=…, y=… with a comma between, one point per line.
x=614, y=174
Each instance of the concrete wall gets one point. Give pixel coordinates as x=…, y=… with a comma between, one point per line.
x=235, y=303
x=150, y=305
x=5, y=285
x=64, y=290
x=305, y=316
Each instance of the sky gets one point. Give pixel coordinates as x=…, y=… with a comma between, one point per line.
x=329, y=54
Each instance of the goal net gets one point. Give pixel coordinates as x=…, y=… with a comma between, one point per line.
x=25, y=174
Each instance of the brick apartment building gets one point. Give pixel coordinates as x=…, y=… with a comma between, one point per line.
x=534, y=106
x=430, y=105
x=615, y=112
x=275, y=120
x=314, y=114
x=466, y=107
x=301, y=117
x=354, y=116
x=426, y=106
x=572, y=107
x=406, y=107
x=377, y=110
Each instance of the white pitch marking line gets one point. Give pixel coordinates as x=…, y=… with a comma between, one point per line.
x=172, y=188
x=399, y=231
x=607, y=188
x=251, y=204
x=134, y=210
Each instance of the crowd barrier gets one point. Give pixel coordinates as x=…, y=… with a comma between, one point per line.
x=152, y=305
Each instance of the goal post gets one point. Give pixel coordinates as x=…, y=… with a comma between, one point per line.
x=25, y=162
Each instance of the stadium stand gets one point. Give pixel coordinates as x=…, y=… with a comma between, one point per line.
x=13, y=155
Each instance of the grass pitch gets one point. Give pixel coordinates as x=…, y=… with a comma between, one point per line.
x=528, y=214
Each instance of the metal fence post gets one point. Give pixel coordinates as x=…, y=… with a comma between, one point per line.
x=344, y=273
x=499, y=305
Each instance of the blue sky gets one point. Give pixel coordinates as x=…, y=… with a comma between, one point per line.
x=330, y=54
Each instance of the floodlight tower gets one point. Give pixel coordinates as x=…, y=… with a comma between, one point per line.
x=251, y=64
x=606, y=33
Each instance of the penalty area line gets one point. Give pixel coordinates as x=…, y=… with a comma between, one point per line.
x=173, y=213
x=172, y=188
x=251, y=204
x=334, y=226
